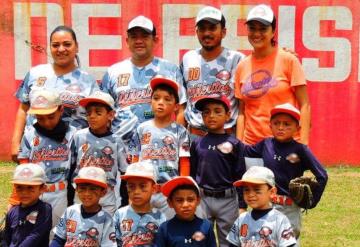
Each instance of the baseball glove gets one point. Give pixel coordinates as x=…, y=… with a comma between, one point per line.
x=301, y=189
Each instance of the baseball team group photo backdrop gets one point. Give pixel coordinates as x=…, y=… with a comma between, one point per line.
x=324, y=34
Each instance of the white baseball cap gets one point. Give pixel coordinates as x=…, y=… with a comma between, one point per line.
x=98, y=97
x=29, y=174
x=286, y=108
x=44, y=102
x=261, y=13
x=142, y=22
x=91, y=175
x=257, y=175
x=141, y=169
x=210, y=14
x=170, y=185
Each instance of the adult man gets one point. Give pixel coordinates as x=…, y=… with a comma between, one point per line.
x=128, y=81
x=209, y=70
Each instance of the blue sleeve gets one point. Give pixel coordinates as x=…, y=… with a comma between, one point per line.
x=8, y=231
x=105, y=85
x=57, y=242
x=239, y=171
x=254, y=151
x=193, y=160
x=41, y=228
x=319, y=172
x=24, y=89
x=211, y=241
x=160, y=236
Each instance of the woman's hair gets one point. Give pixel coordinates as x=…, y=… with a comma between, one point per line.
x=73, y=35
x=273, y=27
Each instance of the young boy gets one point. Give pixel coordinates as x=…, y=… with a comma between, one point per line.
x=29, y=223
x=185, y=229
x=97, y=146
x=86, y=224
x=264, y=225
x=137, y=223
x=162, y=141
x=47, y=143
x=217, y=160
x=288, y=159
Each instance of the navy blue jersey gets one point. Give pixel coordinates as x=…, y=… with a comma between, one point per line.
x=180, y=233
x=217, y=161
x=29, y=226
x=288, y=160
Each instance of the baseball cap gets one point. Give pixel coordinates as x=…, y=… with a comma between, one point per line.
x=98, y=97
x=286, y=108
x=142, y=22
x=140, y=170
x=261, y=13
x=91, y=175
x=200, y=104
x=159, y=79
x=29, y=174
x=257, y=175
x=44, y=102
x=210, y=14
x=170, y=185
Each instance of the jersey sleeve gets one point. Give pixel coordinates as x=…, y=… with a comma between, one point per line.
x=211, y=240
x=25, y=147
x=60, y=229
x=233, y=235
x=160, y=237
x=182, y=90
x=121, y=155
x=297, y=75
x=23, y=91
x=318, y=170
x=105, y=85
x=118, y=234
x=193, y=160
x=286, y=235
x=108, y=239
x=184, y=143
x=254, y=151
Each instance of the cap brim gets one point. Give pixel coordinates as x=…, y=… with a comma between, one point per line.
x=244, y=182
x=37, y=111
x=265, y=22
x=143, y=28
x=200, y=104
x=85, y=101
x=127, y=177
x=158, y=81
x=286, y=111
x=27, y=182
x=89, y=181
x=169, y=186
x=211, y=20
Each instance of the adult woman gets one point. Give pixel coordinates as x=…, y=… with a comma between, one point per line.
x=268, y=77
x=63, y=76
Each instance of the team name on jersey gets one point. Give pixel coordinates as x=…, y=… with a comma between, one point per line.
x=138, y=239
x=200, y=90
x=103, y=162
x=134, y=96
x=163, y=153
x=59, y=153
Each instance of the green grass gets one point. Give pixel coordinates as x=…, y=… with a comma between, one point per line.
x=334, y=222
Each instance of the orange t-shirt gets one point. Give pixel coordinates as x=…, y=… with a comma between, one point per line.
x=264, y=83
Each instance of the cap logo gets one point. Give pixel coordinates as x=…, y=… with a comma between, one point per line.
x=260, y=11
x=26, y=173
x=92, y=173
x=40, y=101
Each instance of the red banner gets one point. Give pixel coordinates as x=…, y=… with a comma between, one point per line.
x=325, y=34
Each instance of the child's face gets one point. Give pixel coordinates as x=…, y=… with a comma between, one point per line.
x=258, y=196
x=140, y=191
x=283, y=127
x=28, y=194
x=49, y=121
x=215, y=117
x=184, y=202
x=99, y=118
x=89, y=195
x=163, y=103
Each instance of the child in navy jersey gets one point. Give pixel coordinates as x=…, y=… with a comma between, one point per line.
x=29, y=223
x=217, y=161
x=288, y=159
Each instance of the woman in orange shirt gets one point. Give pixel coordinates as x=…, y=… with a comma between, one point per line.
x=267, y=77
